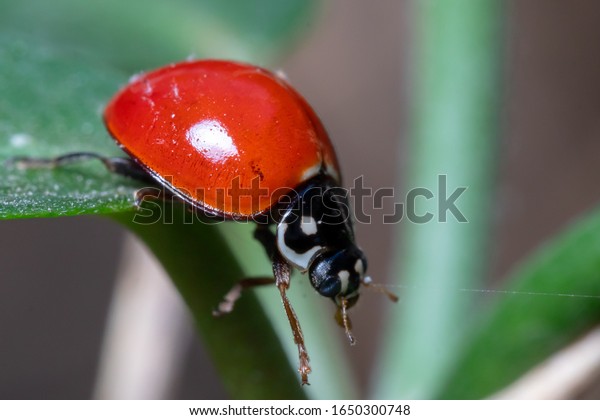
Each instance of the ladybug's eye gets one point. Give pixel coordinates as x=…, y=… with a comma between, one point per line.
x=330, y=287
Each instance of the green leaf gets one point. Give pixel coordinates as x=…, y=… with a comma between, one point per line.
x=50, y=106
x=141, y=34
x=554, y=298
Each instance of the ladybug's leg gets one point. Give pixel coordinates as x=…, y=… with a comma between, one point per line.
x=226, y=305
x=282, y=271
x=119, y=165
x=265, y=237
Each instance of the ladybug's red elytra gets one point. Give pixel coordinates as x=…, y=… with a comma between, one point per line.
x=206, y=123
x=206, y=130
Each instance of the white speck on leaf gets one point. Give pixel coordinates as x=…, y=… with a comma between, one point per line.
x=19, y=140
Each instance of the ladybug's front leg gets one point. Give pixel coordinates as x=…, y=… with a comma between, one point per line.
x=266, y=238
x=282, y=271
x=228, y=302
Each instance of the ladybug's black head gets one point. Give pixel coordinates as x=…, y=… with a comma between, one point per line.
x=338, y=274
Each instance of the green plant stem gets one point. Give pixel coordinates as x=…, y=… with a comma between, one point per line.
x=453, y=132
x=243, y=345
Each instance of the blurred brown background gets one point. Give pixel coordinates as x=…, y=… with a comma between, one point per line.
x=57, y=275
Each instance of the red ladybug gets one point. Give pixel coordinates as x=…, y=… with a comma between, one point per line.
x=236, y=141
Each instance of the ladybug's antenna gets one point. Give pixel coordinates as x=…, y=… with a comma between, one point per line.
x=368, y=282
x=341, y=316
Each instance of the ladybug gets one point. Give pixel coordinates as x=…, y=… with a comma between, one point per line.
x=236, y=141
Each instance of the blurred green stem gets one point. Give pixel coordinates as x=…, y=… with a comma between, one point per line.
x=243, y=345
x=457, y=56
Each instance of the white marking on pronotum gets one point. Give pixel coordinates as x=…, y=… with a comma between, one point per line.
x=302, y=261
x=308, y=225
x=330, y=169
x=311, y=172
x=344, y=276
